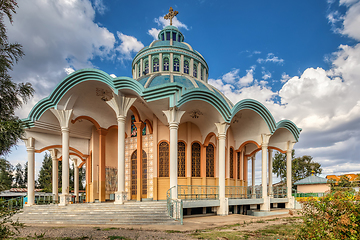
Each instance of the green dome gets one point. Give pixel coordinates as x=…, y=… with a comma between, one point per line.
x=171, y=32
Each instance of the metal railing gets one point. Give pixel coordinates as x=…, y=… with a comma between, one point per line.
x=243, y=192
x=278, y=192
x=198, y=192
x=43, y=200
x=12, y=204
x=174, y=207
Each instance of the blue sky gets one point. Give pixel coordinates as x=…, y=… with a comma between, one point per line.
x=300, y=58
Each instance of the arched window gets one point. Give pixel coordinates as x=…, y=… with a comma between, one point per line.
x=195, y=70
x=186, y=66
x=163, y=159
x=195, y=159
x=156, y=65
x=174, y=36
x=231, y=163
x=210, y=160
x=166, y=64
x=146, y=71
x=162, y=36
x=133, y=127
x=181, y=159
x=176, y=65
x=168, y=36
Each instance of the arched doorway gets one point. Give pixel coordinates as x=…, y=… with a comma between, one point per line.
x=134, y=175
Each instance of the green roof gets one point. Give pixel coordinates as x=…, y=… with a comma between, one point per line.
x=311, y=180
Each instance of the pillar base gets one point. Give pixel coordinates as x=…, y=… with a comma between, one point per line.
x=266, y=205
x=223, y=210
x=120, y=197
x=290, y=204
x=64, y=199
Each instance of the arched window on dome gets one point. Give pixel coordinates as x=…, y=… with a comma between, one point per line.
x=146, y=71
x=176, y=65
x=163, y=159
x=166, y=64
x=162, y=36
x=181, y=159
x=174, y=36
x=168, y=36
x=210, y=152
x=186, y=66
x=156, y=65
x=179, y=40
x=195, y=159
x=195, y=70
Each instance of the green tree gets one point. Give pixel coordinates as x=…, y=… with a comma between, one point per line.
x=19, y=176
x=6, y=177
x=302, y=167
x=45, y=174
x=12, y=95
x=25, y=173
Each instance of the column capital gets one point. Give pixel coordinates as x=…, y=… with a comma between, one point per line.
x=173, y=116
x=53, y=154
x=102, y=131
x=290, y=146
x=139, y=126
x=120, y=104
x=30, y=144
x=63, y=116
x=265, y=140
x=222, y=128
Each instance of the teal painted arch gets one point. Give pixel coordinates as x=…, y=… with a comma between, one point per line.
x=72, y=80
x=257, y=107
x=207, y=96
x=291, y=127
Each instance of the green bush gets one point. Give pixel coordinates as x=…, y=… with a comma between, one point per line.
x=334, y=216
x=8, y=227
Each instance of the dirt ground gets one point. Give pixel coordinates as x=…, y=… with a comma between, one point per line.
x=160, y=232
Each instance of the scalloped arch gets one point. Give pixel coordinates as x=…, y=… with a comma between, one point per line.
x=289, y=125
x=78, y=77
x=257, y=107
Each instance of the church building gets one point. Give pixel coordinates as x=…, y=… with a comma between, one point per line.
x=164, y=133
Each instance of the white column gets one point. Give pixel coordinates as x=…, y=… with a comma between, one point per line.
x=191, y=70
x=182, y=63
x=173, y=116
x=64, y=117
x=253, y=175
x=141, y=67
x=171, y=62
x=270, y=172
x=161, y=63
x=150, y=64
x=30, y=147
x=76, y=180
x=55, y=175
x=290, y=203
x=265, y=140
x=121, y=105
x=224, y=204
x=199, y=71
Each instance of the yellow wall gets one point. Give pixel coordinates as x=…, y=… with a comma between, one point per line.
x=313, y=188
x=111, y=148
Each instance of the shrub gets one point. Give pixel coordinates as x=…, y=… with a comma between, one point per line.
x=334, y=216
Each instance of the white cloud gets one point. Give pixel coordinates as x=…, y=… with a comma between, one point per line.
x=231, y=76
x=271, y=58
x=67, y=37
x=154, y=33
x=266, y=74
x=284, y=77
x=99, y=6
x=69, y=70
x=175, y=22
x=113, y=75
x=129, y=44
x=248, y=78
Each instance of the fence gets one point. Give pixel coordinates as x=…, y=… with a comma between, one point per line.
x=198, y=192
x=243, y=192
x=174, y=207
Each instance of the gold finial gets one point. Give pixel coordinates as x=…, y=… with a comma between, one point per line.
x=171, y=15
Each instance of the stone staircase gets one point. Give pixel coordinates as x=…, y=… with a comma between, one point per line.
x=97, y=214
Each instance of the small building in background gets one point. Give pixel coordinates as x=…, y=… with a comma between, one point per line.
x=312, y=184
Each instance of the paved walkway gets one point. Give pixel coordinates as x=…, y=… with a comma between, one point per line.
x=191, y=223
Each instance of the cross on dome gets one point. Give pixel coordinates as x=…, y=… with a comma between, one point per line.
x=171, y=15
